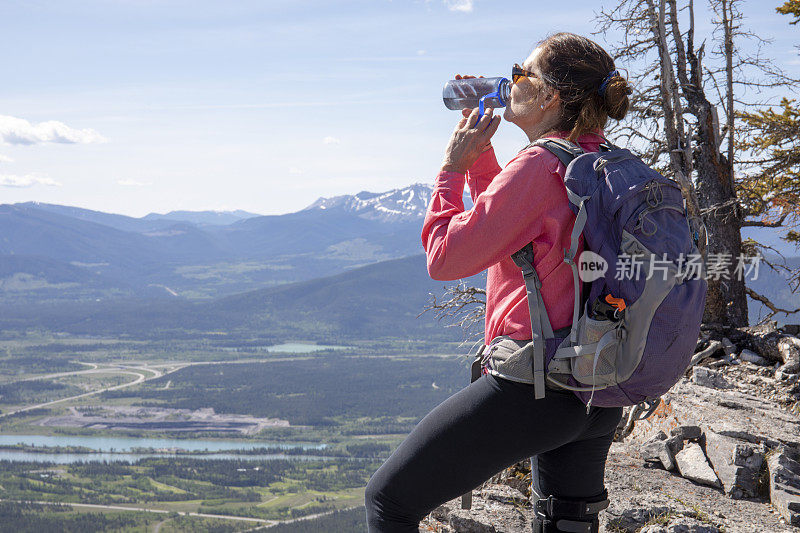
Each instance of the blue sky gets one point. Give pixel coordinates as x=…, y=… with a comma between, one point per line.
x=263, y=106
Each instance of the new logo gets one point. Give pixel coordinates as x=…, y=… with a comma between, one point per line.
x=591, y=266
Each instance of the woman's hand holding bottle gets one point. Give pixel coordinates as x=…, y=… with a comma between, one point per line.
x=470, y=138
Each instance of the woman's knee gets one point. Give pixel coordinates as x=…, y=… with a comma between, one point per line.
x=373, y=504
x=373, y=492
x=386, y=513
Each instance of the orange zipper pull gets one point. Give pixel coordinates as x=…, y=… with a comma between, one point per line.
x=619, y=303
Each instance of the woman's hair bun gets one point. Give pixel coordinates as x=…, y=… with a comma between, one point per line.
x=615, y=98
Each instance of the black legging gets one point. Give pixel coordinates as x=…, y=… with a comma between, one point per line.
x=482, y=429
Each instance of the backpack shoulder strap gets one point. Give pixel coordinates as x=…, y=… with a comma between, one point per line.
x=541, y=328
x=540, y=322
x=563, y=149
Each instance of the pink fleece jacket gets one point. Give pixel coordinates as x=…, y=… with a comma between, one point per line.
x=524, y=202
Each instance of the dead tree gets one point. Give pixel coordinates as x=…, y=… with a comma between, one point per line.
x=676, y=125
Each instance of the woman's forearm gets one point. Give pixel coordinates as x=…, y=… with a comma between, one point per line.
x=446, y=202
x=482, y=173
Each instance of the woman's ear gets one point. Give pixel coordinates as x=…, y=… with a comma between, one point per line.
x=552, y=100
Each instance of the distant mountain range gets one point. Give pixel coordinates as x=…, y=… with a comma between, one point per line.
x=149, y=222
x=199, y=254
x=203, y=218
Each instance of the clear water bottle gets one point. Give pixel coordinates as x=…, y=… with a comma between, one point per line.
x=476, y=92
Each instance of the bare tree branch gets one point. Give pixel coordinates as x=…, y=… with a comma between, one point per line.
x=772, y=307
x=762, y=224
x=462, y=306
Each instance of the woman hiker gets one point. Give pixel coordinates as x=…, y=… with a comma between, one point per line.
x=568, y=88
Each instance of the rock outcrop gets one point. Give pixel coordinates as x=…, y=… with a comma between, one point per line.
x=721, y=452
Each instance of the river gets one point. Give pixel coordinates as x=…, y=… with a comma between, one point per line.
x=122, y=446
x=295, y=348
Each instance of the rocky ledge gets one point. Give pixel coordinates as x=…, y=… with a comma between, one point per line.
x=720, y=454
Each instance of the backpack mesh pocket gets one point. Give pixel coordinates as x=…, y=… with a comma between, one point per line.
x=584, y=368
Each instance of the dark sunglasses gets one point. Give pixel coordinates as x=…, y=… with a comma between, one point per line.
x=518, y=72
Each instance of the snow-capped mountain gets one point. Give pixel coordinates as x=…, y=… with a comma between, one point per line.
x=408, y=203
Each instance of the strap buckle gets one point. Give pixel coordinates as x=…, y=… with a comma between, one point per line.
x=553, y=507
x=648, y=407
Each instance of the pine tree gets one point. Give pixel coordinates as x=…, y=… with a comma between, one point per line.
x=791, y=7
x=772, y=187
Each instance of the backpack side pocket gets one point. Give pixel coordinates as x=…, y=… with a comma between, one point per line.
x=590, y=367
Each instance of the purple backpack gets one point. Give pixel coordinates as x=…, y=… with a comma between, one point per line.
x=635, y=329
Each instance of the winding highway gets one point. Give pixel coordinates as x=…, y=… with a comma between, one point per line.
x=139, y=371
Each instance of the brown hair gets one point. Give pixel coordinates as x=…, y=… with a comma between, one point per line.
x=577, y=67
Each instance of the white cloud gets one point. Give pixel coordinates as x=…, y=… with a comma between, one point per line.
x=5, y=159
x=29, y=180
x=19, y=131
x=465, y=6
x=421, y=52
x=134, y=183
x=295, y=170
x=331, y=140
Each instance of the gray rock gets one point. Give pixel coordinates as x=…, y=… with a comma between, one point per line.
x=761, y=440
x=659, y=436
x=504, y=494
x=706, y=377
x=674, y=445
x=728, y=346
x=764, y=340
x=663, y=451
x=789, y=349
x=784, y=486
x=496, y=509
x=464, y=522
x=738, y=464
x=631, y=520
x=686, y=432
x=693, y=465
x=651, y=448
x=752, y=357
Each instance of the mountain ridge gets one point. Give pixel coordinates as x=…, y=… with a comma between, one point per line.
x=199, y=259
x=203, y=218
